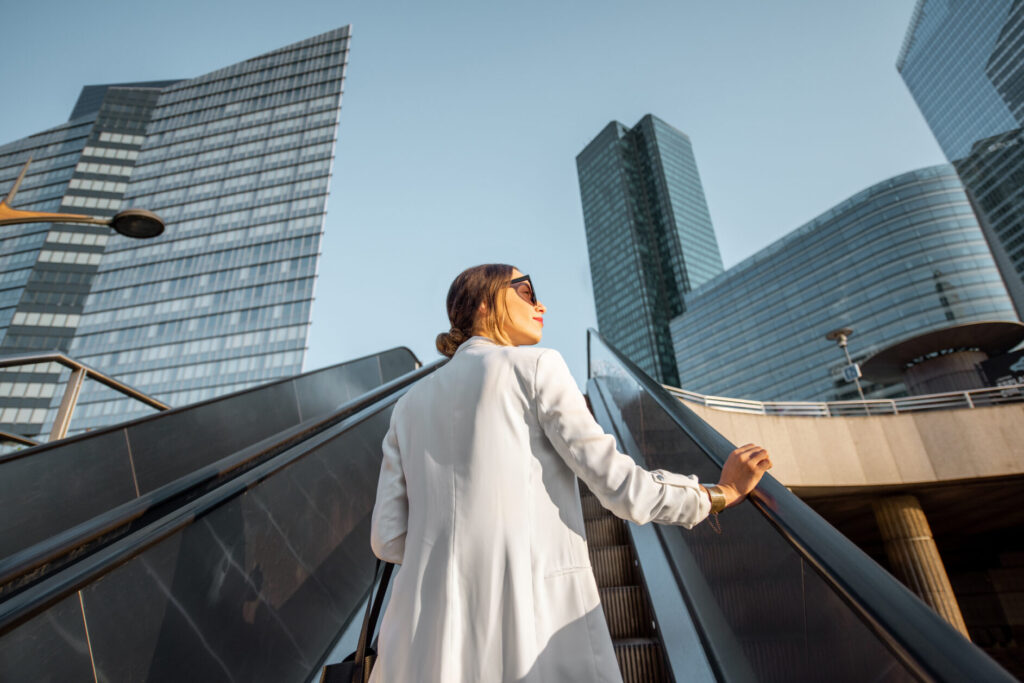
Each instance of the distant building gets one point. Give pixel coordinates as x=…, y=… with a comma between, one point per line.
x=963, y=63
x=649, y=236
x=237, y=163
x=903, y=257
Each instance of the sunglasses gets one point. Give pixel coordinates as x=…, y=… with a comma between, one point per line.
x=524, y=288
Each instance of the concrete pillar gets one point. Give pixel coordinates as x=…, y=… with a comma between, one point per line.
x=914, y=557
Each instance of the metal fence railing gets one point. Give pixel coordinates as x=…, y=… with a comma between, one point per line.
x=79, y=373
x=975, y=398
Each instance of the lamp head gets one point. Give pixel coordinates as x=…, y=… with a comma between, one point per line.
x=137, y=223
x=840, y=335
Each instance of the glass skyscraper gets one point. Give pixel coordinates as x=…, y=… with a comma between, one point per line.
x=237, y=163
x=963, y=61
x=902, y=257
x=649, y=236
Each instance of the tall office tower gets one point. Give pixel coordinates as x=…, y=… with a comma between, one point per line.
x=649, y=236
x=47, y=270
x=898, y=259
x=237, y=163
x=963, y=62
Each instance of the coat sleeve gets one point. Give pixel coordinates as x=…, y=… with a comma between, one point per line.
x=391, y=511
x=623, y=487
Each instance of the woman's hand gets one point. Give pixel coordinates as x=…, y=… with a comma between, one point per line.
x=742, y=470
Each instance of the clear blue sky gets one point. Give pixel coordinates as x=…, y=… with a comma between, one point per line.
x=461, y=121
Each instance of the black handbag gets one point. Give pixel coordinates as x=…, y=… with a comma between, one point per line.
x=357, y=666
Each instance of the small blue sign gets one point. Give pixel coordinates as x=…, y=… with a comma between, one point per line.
x=851, y=372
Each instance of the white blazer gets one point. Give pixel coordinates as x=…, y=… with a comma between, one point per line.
x=477, y=500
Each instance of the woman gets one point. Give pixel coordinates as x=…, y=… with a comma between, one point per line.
x=477, y=500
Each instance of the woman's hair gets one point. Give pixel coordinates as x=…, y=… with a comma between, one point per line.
x=480, y=284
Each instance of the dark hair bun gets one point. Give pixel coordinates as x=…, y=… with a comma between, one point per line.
x=448, y=342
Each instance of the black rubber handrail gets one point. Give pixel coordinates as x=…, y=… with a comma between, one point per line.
x=912, y=631
x=27, y=567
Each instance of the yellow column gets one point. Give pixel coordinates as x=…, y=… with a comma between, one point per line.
x=914, y=557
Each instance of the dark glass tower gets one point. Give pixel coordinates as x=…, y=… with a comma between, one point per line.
x=963, y=61
x=649, y=236
x=237, y=163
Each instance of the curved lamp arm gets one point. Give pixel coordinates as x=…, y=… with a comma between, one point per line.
x=137, y=223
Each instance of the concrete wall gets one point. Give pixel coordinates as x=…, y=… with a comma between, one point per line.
x=887, y=449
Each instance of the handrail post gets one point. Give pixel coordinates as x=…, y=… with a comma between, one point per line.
x=67, y=404
x=970, y=403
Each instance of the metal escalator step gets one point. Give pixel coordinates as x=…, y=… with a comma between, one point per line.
x=613, y=566
x=626, y=611
x=592, y=507
x=602, y=531
x=641, y=661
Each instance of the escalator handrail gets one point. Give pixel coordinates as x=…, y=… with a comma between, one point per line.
x=25, y=605
x=165, y=414
x=911, y=629
x=23, y=568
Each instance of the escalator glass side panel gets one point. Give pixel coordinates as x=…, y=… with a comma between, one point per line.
x=761, y=610
x=96, y=472
x=165, y=450
x=256, y=588
x=52, y=490
x=50, y=647
x=396, y=362
x=320, y=393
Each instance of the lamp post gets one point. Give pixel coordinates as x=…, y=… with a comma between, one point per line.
x=840, y=336
x=137, y=223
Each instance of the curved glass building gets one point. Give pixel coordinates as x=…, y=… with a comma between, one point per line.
x=902, y=257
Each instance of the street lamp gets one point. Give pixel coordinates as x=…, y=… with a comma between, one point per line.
x=840, y=336
x=137, y=223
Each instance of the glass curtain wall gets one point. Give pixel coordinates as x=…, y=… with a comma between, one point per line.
x=237, y=163
x=649, y=235
x=900, y=258
x=45, y=270
x=963, y=62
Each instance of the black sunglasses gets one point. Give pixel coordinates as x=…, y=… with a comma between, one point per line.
x=524, y=288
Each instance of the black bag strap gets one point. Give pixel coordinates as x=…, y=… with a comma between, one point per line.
x=373, y=609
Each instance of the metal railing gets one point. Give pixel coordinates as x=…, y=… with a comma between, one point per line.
x=10, y=443
x=975, y=398
x=79, y=372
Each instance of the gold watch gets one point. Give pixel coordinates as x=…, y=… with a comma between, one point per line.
x=717, y=497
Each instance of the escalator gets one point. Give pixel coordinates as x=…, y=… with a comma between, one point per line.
x=233, y=555
x=55, y=495
x=255, y=561
x=778, y=595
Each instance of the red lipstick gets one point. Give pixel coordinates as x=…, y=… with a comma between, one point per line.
x=540, y=320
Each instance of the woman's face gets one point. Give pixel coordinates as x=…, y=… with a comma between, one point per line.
x=525, y=323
